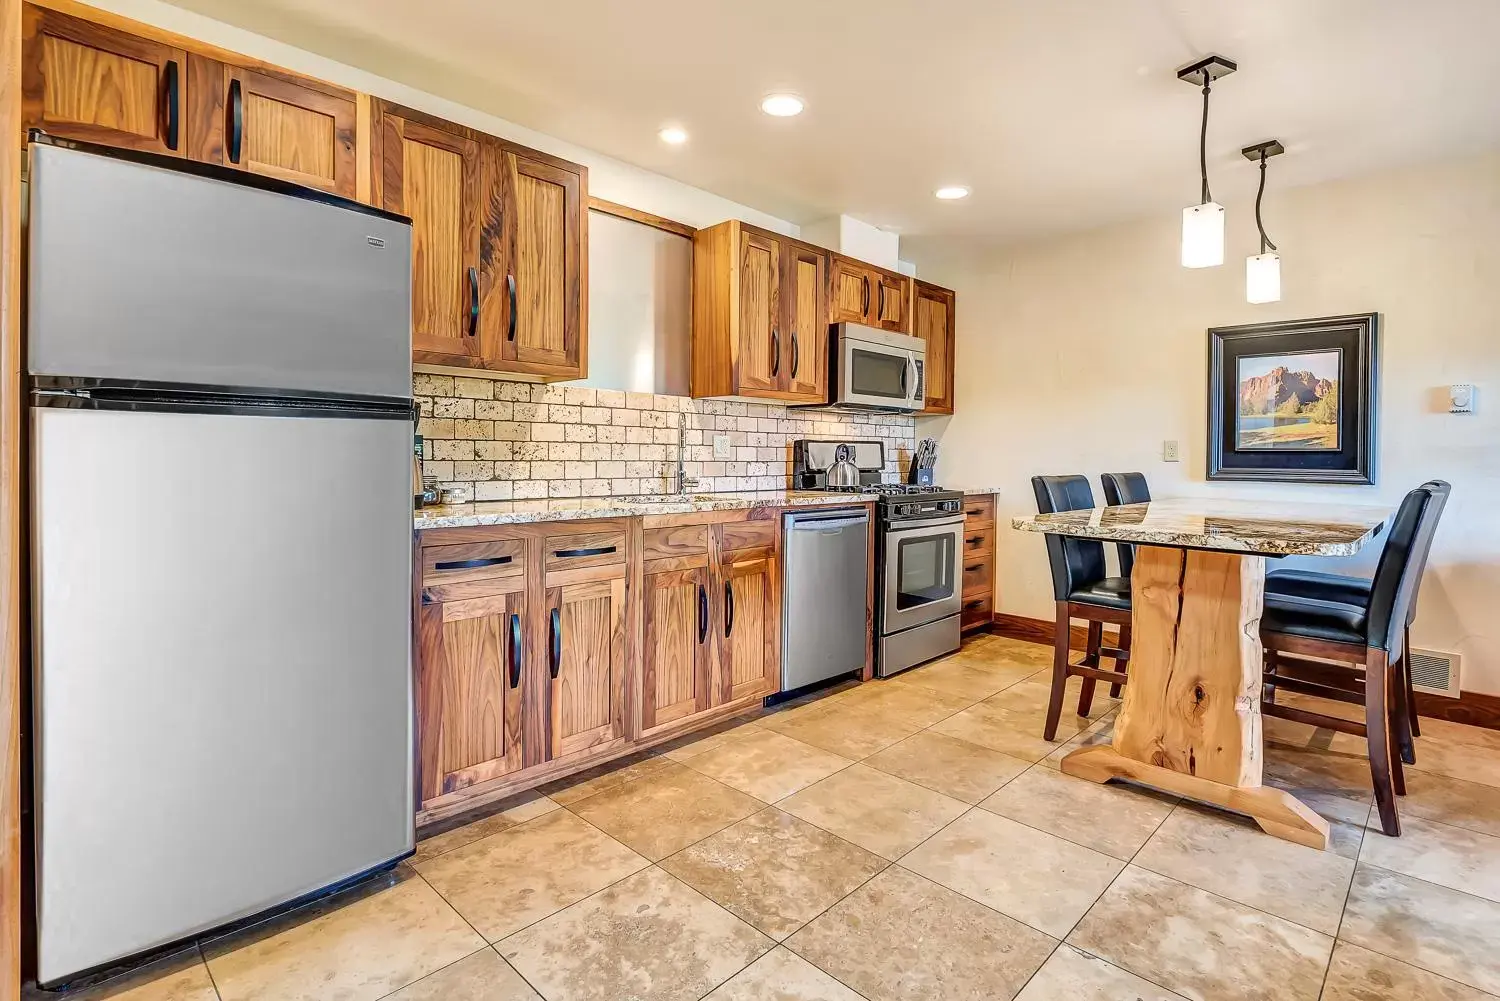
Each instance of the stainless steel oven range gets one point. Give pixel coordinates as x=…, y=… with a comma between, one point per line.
x=919, y=536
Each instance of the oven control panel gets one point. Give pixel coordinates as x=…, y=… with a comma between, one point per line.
x=924, y=508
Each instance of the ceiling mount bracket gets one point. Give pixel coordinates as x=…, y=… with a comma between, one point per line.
x=1269, y=148
x=1206, y=70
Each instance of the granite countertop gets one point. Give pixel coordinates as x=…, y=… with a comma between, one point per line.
x=521, y=512
x=1272, y=527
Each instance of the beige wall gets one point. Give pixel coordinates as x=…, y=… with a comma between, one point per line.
x=1082, y=354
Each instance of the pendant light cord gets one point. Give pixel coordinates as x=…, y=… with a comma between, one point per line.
x=1260, y=192
x=1203, y=140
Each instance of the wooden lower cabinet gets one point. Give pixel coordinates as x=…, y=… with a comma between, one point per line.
x=543, y=649
x=977, y=565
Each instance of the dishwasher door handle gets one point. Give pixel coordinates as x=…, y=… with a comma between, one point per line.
x=827, y=524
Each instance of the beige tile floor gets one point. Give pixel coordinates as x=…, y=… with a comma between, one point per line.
x=909, y=839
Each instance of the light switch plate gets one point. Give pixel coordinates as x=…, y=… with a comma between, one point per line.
x=1169, y=451
x=1461, y=398
x=722, y=451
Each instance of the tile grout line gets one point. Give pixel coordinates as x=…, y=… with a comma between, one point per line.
x=203, y=958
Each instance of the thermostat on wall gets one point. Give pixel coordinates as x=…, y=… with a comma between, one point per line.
x=1461, y=398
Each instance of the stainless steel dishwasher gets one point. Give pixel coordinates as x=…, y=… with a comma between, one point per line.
x=825, y=628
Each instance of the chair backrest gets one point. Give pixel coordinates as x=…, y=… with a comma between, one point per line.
x=1125, y=488
x=1075, y=562
x=1440, y=490
x=1394, y=589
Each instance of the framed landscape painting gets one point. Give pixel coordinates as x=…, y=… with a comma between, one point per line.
x=1293, y=401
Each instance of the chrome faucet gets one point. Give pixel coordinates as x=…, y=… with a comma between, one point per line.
x=682, y=483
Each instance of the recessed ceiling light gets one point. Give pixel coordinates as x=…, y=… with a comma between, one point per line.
x=951, y=192
x=672, y=135
x=782, y=105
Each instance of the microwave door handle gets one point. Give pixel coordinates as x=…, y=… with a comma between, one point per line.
x=916, y=379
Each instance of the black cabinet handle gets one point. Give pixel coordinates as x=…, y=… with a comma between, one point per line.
x=775, y=351
x=880, y=309
x=515, y=650
x=702, y=613
x=864, y=300
x=174, y=102
x=510, y=285
x=728, y=609
x=554, y=655
x=794, y=354
x=473, y=301
x=567, y=554
x=487, y=561
x=236, y=121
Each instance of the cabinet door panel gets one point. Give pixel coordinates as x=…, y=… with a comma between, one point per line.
x=889, y=310
x=759, y=361
x=677, y=655
x=545, y=336
x=586, y=634
x=851, y=291
x=933, y=322
x=470, y=691
x=807, y=324
x=85, y=81
x=296, y=132
x=747, y=659
x=432, y=176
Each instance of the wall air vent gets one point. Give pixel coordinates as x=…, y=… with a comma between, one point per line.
x=1434, y=671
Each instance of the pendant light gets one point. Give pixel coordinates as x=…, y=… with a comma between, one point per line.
x=1203, y=224
x=1263, y=271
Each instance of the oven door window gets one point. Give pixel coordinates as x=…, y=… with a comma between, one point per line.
x=925, y=569
x=878, y=374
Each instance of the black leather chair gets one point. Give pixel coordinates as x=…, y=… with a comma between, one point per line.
x=1351, y=590
x=1083, y=591
x=1124, y=488
x=1371, y=637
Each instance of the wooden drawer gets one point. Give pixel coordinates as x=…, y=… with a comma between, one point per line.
x=471, y=562
x=978, y=575
x=979, y=510
x=977, y=611
x=747, y=535
x=584, y=549
x=679, y=540
x=978, y=541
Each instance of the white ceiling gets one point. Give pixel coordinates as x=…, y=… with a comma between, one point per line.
x=1059, y=114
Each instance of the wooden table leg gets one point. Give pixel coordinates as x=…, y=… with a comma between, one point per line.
x=1190, y=724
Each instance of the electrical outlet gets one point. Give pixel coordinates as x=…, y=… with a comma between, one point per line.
x=722, y=451
x=1169, y=451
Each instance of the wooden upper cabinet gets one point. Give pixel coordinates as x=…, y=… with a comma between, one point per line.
x=760, y=315
x=432, y=175
x=807, y=322
x=759, y=364
x=851, y=290
x=586, y=664
x=677, y=657
x=470, y=691
x=932, y=320
x=86, y=81
x=542, y=222
x=892, y=292
x=294, y=128
x=748, y=661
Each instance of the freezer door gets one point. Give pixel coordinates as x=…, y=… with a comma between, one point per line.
x=222, y=668
x=144, y=272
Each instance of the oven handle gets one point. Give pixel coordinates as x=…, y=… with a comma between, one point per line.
x=920, y=525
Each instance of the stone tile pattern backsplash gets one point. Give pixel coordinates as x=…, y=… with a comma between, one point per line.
x=487, y=439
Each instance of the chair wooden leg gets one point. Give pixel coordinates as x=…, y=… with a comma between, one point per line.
x=1405, y=715
x=1060, y=655
x=1378, y=732
x=1122, y=664
x=1091, y=658
x=1411, y=693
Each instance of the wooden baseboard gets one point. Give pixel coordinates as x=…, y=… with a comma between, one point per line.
x=1472, y=708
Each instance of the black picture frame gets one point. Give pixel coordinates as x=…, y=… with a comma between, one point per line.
x=1352, y=459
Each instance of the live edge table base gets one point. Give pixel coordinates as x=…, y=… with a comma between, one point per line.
x=1191, y=723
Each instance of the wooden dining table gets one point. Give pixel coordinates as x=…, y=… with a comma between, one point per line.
x=1190, y=723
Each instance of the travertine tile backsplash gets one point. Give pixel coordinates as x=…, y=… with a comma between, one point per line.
x=486, y=439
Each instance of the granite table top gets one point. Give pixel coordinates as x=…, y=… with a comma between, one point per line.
x=1273, y=528
x=521, y=512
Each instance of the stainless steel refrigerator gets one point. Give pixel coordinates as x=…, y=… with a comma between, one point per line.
x=220, y=453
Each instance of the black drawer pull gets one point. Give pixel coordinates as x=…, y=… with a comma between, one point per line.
x=473, y=302
x=864, y=303
x=568, y=554
x=728, y=609
x=794, y=354
x=775, y=351
x=174, y=103
x=236, y=121
x=487, y=561
x=880, y=309
x=972, y=569
x=554, y=654
x=702, y=613
x=510, y=287
x=515, y=650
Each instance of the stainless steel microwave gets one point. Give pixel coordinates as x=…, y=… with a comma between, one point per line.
x=877, y=370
